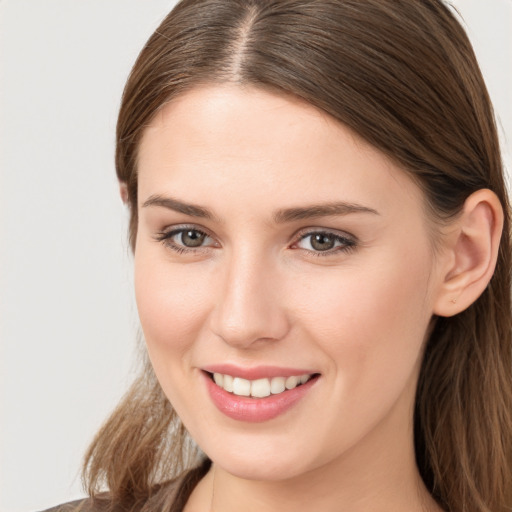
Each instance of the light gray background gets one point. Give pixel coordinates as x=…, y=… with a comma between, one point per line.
x=67, y=318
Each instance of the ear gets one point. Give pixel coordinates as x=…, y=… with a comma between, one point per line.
x=472, y=251
x=123, y=191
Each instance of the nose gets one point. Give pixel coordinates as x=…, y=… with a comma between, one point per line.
x=249, y=307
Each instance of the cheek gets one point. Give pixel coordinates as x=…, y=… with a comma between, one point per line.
x=370, y=319
x=172, y=302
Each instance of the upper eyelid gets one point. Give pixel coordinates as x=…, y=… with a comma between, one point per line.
x=300, y=232
x=174, y=229
x=166, y=234
x=331, y=231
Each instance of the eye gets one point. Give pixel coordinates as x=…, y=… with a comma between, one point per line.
x=185, y=239
x=325, y=242
x=190, y=238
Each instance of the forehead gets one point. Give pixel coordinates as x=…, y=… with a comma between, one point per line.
x=254, y=146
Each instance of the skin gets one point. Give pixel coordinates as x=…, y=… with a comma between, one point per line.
x=256, y=292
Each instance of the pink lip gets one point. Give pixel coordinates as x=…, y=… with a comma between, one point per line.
x=258, y=372
x=255, y=410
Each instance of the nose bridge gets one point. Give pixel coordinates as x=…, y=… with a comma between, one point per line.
x=248, y=308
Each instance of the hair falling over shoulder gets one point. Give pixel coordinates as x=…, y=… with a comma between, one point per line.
x=402, y=75
x=143, y=443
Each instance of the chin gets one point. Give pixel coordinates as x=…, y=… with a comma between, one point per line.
x=261, y=463
x=261, y=471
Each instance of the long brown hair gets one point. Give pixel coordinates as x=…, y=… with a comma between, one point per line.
x=402, y=75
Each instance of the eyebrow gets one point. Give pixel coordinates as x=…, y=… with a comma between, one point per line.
x=280, y=216
x=179, y=206
x=320, y=210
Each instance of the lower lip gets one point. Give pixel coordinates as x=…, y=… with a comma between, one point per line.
x=255, y=410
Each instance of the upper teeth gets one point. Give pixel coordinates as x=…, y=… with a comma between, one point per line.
x=259, y=388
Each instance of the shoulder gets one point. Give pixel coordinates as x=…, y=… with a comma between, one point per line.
x=83, y=505
x=169, y=495
x=165, y=492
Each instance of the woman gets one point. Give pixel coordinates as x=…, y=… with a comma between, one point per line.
x=320, y=228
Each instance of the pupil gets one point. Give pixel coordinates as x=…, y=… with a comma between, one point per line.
x=192, y=238
x=322, y=242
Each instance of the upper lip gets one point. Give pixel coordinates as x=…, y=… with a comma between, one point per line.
x=256, y=372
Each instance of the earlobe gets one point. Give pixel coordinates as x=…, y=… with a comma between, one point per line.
x=123, y=192
x=472, y=253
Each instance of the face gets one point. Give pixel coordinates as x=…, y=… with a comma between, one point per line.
x=277, y=250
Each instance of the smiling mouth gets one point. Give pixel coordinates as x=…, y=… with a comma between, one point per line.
x=259, y=388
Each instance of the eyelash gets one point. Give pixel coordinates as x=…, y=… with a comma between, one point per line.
x=348, y=244
x=165, y=237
